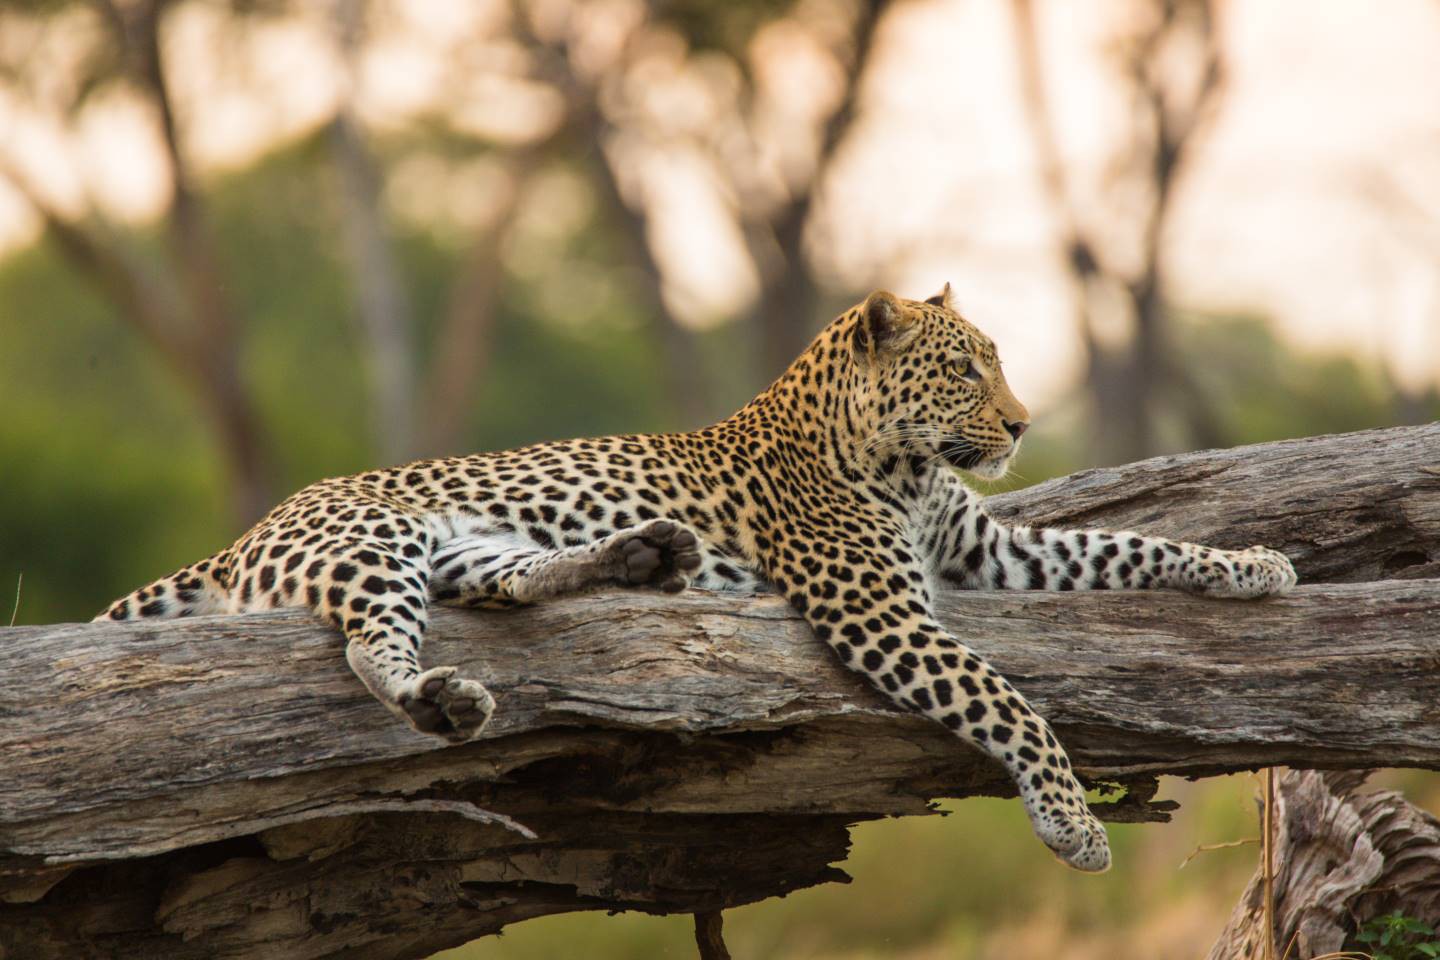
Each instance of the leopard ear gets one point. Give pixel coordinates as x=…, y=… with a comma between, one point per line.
x=883, y=327
x=942, y=299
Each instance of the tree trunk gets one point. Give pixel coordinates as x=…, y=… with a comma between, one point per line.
x=222, y=787
x=1133, y=381
x=213, y=334
x=383, y=315
x=1342, y=857
x=784, y=318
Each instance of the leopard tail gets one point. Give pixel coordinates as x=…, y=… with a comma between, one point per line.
x=197, y=589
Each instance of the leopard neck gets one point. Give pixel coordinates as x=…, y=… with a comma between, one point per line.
x=813, y=423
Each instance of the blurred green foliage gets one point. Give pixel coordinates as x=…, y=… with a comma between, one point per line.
x=727, y=27
x=109, y=473
x=1395, y=936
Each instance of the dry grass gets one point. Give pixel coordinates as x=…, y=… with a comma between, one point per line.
x=1208, y=847
x=1267, y=848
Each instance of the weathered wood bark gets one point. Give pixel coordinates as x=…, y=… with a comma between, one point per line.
x=222, y=787
x=1343, y=856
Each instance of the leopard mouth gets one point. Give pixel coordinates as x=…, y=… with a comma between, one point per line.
x=962, y=454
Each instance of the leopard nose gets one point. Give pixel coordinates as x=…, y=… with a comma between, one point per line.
x=1015, y=428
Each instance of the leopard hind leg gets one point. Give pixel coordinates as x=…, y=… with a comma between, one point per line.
x=504, y=570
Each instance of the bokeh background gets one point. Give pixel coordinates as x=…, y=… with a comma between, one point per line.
x=245, y=244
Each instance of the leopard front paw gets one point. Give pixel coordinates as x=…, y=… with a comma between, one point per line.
x=1077, y=839
x=658, y=553
x=448, y=706
x=1245, y=574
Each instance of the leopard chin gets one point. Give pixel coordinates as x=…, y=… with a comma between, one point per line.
x=992, y=468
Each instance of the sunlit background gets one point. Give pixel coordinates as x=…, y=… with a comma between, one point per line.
x=248, y=244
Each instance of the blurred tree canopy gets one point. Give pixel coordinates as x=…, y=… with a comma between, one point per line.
x=367, y=292
x=182, y=289
x=110, y=477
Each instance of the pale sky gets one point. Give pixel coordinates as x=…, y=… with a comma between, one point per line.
x=1326, y=99
x=1315, y=201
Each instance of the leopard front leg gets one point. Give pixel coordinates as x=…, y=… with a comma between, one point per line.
x=439, y=702
x=877, y=618
x=980, y=552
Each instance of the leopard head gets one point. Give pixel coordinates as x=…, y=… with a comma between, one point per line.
x=929, y=384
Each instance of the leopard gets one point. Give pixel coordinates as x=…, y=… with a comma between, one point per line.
x=841, y=487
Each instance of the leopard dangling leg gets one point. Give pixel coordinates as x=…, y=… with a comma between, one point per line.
x=881, y=624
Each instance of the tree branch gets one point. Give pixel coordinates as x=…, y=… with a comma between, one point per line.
x=382, y=302
x=197, y=788
x=210, y=339
x=789, y=295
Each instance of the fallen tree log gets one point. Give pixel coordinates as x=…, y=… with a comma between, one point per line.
x=223, y=787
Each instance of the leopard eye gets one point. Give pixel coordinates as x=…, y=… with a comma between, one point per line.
x=966, y=370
